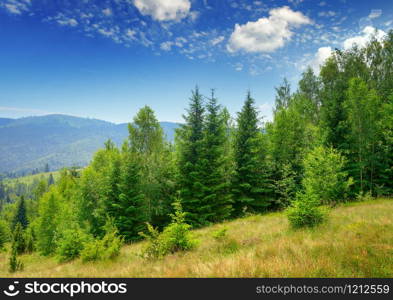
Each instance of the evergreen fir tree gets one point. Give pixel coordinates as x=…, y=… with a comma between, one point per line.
x=190, y=146
x=216, y=203
x=14, y=263
x=20, y=216
x=51, y=180
x=130, y=210
x=248, y=186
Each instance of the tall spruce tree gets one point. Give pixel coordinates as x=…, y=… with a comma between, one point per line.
x=20, y=215
x=217, y=199
x=248, y=186
x=190, y=153
x=130, y=210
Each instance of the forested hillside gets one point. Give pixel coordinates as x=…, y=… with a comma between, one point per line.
x=330, y=142
x=28, y=144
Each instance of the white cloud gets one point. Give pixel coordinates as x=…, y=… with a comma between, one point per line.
x=130, y=33
x=16, y=7
x=319, y=58
x=106, y=32
x=328, y=13
x=217, y=40
x=266, y=34
x=12, y=8
x=375, y=13
x=361, y=40
x=166, y=46
x=164, y=10
x=68, y=21
x=239, y=67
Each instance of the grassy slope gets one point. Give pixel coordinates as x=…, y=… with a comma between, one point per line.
x=356, y=242
x=29, y=179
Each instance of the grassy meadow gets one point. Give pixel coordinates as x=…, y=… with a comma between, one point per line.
x=357, y=241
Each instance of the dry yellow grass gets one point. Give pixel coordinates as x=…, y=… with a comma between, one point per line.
x=357, y=241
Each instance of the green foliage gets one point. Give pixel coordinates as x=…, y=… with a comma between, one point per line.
x=283, y=95
x=305, y=211
x=189, y=140
x=48, y=223
x=30, y=239
x=106, y=248
x=20, y=215
x=4, y=234
x=362, y=196
x=215, y=205
x=70, y=245
x=291, y=136
x=286, y=186
x=18, y=239
x=220, y=234
x=249, y=187
x=175, y=237
x=324, y=175
x=92, y=251
x=147, y=142
x=129, y=212
x=14, y=264
x=363, y=108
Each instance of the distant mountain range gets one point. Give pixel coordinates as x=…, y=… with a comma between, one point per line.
x=60, y=141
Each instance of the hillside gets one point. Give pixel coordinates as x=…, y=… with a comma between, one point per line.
x=59, y=140
x=357, y=241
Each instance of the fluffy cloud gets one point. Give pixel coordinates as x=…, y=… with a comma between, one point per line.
x=164, y=10
x=361, y=40
x=266, y=34
x=319, y=58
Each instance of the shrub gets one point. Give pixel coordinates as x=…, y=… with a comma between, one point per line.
x=220, y=234
x=175, y=237
x=92, y=251
x=153, y=248
x=71, y=244
x=324, y=176
x=4, y=234
x=111, y=243
x=362, y=196
x=15, y=264
x=106, y=248
x=305, y=212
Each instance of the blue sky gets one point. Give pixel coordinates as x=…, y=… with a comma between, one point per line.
x=106, y=59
